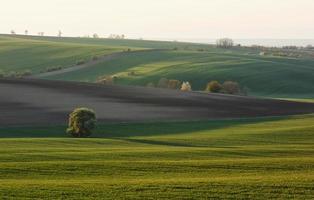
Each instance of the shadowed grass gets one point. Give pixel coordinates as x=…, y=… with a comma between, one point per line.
x=250, y=158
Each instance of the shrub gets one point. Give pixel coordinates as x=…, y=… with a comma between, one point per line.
x=186, y=86
x=214, y=86
x=12, y=74
x=80, y=62
x=131, y=73
x=231, y=87
x=95, y=58
x=26, y=73
x=163, y=83
x=107, y=80
x=174, y=84
x=54, y=68
x=81, y=122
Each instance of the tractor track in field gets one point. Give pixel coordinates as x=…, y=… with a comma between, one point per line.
x=33, y=102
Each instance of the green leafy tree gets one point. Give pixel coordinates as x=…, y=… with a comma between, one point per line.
x=214, y=86
x=81, y=122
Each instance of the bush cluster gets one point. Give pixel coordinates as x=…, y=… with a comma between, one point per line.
x=228, y=87
x=107, y=80
x=14, y=74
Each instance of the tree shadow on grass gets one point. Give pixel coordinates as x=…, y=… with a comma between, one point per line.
x=129, y=130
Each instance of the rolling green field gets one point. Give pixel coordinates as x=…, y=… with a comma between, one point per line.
x=18, y=54
x=122, y=43
x=264, y=76
x=238, y=159
x=280, y=77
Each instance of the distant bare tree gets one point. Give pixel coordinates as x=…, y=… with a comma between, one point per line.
x=95, y=35
x=13, y=32
x=59, y=33
x=116, y=36
x=26, y=32
x=41, y=33
x=224, y=43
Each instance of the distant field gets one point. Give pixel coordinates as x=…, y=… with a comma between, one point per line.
x=118, y=43
x=237, y=159
x=280, y=77
x=264, y=76
x=18, y=54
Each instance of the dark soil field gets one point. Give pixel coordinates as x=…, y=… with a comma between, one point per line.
x=42, y=102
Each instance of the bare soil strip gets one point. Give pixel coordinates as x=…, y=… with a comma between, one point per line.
x=42, y=102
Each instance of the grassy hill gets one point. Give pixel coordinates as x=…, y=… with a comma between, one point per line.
x=122, y=43
x=36, y=54
x=239, y=159
x=264, y=76
x=18, y=54
x=282, y=77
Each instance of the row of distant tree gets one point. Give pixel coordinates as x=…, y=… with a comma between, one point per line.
x=227, y=87
x=59, y=34
x=228, y=43
x=39, y=33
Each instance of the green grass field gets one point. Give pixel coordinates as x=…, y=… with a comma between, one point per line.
x=237, y=159
x=18, y=54
x=264, y=76
x=280, y=77
x=121, y=43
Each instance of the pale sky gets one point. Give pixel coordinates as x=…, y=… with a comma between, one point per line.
x=162, y=18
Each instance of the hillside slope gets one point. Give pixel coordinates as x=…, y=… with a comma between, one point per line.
x=18, y=54
x=264, y=76
x=197, y=63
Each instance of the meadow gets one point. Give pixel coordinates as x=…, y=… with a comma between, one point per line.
x=263, y=76
x=271, y=76
x=260, y=158
x=18, y=54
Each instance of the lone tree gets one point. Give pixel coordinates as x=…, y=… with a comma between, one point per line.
x=224, y=43
x=81, y=122
x=214, y=86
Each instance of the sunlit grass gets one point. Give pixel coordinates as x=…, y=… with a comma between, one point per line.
x=249, y=158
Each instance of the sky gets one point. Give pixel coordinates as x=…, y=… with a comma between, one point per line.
x=175, y=19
